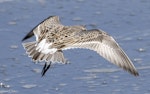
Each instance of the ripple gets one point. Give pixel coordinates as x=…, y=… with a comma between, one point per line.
x=77, y=19
x=84, y=78
x=14, y=46
x=143, y=67
x=2, y=1
x=2, y=85
x=62, y=84
x=138, y=60
x=12, y=23
x=141, y=50
x=29, y=86
x=8, y=91
x=102, y=70
x=36, y=70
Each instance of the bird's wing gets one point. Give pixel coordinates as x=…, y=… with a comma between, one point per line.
x=49, y=23
x=105, y=46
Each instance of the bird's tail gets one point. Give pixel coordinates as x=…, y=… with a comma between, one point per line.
x=37, y=56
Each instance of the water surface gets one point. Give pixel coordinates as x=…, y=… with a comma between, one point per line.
x=128, y=21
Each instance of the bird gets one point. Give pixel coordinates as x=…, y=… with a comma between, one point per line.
x=52, y=38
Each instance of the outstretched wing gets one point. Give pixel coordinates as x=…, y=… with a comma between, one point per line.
x=48, y=23
x=106, y=46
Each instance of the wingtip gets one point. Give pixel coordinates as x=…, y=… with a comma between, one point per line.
x=136, y=74
x=30, y=34
x=24, y=38
x=133, y=72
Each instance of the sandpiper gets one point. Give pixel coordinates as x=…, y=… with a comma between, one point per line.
x=52, y=38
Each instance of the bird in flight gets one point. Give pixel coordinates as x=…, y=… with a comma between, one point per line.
x=52, y=38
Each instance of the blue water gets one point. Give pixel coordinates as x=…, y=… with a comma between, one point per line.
x=128, y=21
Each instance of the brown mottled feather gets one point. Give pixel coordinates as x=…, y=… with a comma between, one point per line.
x=51, y=35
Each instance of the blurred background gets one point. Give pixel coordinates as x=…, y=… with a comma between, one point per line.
x=128, y=21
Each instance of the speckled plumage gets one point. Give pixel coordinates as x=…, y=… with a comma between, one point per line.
x=52, y=38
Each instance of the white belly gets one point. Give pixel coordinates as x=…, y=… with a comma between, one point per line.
x=45, y=48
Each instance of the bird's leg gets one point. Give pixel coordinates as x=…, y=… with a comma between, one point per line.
x=45, y=68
